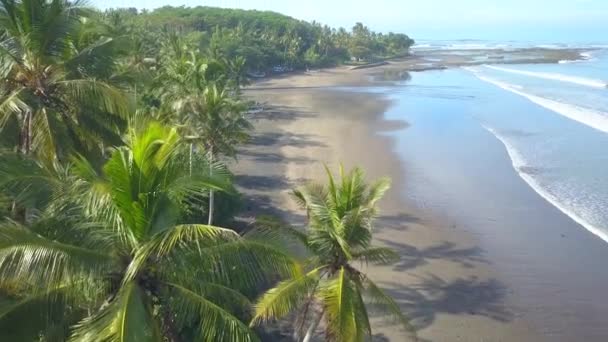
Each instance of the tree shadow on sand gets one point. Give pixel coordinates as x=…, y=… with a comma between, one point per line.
x=285, y=139
x=280, y=113
x=263, y=183
x=384, y=338
x=255, y=205
x=395, y=222
x=412, y=256
x=433, y=295
x=272, y=157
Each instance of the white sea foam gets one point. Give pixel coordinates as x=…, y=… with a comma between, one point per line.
x=589, y=82
x=468, y=46
x=519, y=163
x=586, y=116
x=550, y=46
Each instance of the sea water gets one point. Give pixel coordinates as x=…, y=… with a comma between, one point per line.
x=562, y=153
x=517, y=156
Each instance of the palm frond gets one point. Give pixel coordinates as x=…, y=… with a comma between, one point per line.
x=352, y=189
x=96, y=59
x=355, y=224
x=10, y=50
x=153, y=144
x=214, y=322
x=321, y=210
x=339, y=297
x=310, y=190
x=376, y=298
x=377, y=190
x=184, y=237
x=39, y=311
x=332, y=189
x=376, y=256
x=96, y=93
x=274, y=231
x=328, y=244
x=95, y=196
x=129, y=317
x=364, y=328
x=45, y=133
x=30, y=258
x=286, y=297
x=26, y=181
x=118, y=189
x=11, y=105
x=186, y=187
x=229, y=298
x=247, y=265
x=298, y=196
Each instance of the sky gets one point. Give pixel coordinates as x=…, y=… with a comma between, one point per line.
x=550, y=21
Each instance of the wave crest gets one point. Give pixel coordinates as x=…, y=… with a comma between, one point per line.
x=589, y=117
x=520, y=166
x=554, y=76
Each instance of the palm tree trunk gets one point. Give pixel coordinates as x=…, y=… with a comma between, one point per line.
x=25, y=140
x=169, y=327
x=18, y=212
x=313, y=326
x=190, y=158
x=211, y=193
x=307, y=306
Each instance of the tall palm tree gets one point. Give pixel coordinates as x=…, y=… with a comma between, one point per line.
x=215, y=122
x=110, y=247
x=237, y=72
x=192, y=93
x=50, y=79
x=339, y=233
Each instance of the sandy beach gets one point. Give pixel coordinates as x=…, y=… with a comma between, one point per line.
x=443, y=281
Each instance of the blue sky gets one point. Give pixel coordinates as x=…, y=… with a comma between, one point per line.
x=534, y=20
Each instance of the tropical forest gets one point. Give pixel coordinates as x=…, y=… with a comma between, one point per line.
x=117, y=201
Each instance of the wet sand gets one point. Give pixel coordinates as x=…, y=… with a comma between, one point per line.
x=443, y=281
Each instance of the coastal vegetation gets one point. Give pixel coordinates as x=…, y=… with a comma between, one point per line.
x=266, y=39
x=114, y=132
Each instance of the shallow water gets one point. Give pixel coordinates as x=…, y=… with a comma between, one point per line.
x=569, y=149
x=513, y=157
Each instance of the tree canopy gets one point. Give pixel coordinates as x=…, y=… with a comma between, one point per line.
x=267, y=39
x=115, y=128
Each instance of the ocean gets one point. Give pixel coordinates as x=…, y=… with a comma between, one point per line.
x=561, y=153
x=517, y=155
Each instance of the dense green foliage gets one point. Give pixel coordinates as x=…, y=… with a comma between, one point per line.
x=268, y=39
x=114, y=130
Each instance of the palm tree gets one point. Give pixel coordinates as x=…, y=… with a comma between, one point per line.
x=110, y=247
x=50, y=78
x=237, y=72
x=215, y=122
x=193, y=97
x=339, y=233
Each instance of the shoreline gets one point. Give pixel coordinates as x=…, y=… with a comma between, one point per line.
x=443, y=272
x=435, y=59
x=533, y=184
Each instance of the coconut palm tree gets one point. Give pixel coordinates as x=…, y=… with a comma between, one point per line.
x=237, y=72
x=110, y=247
x=51, y=83
x=193, y=96
x=215, y=122
x=339, y=233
